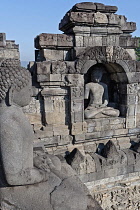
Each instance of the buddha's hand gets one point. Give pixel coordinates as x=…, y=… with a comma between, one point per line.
x=41, y=162
x=104, y=104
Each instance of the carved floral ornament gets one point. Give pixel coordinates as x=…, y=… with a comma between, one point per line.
x=93, y=55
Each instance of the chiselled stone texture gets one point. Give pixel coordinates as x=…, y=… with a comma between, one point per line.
x=97, y=15
x=111, y=160
x=61, y=41
x=121, y=192
x=2, y=39
x=27, y=174
x=8, y=48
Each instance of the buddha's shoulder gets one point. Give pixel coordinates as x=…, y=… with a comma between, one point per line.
x=10, y=115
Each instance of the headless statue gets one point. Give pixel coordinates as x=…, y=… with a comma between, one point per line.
x=98, y=93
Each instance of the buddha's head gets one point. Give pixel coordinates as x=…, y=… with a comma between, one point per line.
x=97, y=73
x=15, y=84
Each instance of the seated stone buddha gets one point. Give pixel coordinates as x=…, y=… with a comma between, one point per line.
x=97, y=92
x=31, y=180
x=16, y=135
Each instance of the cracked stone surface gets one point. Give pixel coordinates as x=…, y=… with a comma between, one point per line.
x=62, y=191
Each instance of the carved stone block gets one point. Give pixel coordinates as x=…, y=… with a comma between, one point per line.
x=79, y=138
x=100, y=18
x=113, y=19
x=84, y=6
x=79, y=41
x=73, y=80
x=111, y=172
x=64, y=40
x=128, y=27
x=82, y=17
x=131, y=122
x=92, y=41
x=43, y=67
x=77, y=92
x=111, y=9
x=2, y=39
x=43, y=78
x=60, y=129
x=100, y=7
x=45, y=40
x=49, y=54
x=111, y=40
x=65, y=139
x=77, y=116
x=77, y=128
x=59, y=67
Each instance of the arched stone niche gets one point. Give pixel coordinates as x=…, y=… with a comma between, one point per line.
x=116, y=80
x=116, y=61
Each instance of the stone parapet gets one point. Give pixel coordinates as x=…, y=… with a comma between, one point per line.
x=96, y=15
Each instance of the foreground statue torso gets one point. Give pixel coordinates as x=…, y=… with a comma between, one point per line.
x=98, y=94
x=16, y=135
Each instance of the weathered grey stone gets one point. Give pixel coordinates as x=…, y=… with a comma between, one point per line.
x=82, y=17
x=129, y=27
x=129, y=42
x=45, y=40
x=59, y=67
x=43, y=78
x=111, y=173
x=43, y=68
x=100, y=7
x=100, y=18
x=111, y=9
x=41, y=174
x=78, y=128
x=49, y=54
x=79, y=41
x=92, y=41
x=132, y=54
x=84, y=6
x=64, y=139
x=2, y=39
x=114, y=19
x=79, y=138
x=64, y=40
x=110, y=40
x=80, y=30
x=109, y=151
x=10, y=53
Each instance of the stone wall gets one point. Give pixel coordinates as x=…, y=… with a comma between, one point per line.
x=8, y=48
x=117, y=193
x=97, y=149
x=93, y=34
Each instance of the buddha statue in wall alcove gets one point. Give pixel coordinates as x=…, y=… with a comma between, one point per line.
x=97, y=93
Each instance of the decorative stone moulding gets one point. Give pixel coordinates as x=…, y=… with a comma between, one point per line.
x=95, y=15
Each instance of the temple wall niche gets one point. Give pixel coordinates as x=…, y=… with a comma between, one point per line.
x=96, y=147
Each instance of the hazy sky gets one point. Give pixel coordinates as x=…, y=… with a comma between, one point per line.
x=23, y=20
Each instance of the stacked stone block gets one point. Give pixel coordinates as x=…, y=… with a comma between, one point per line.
x=8, y=48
